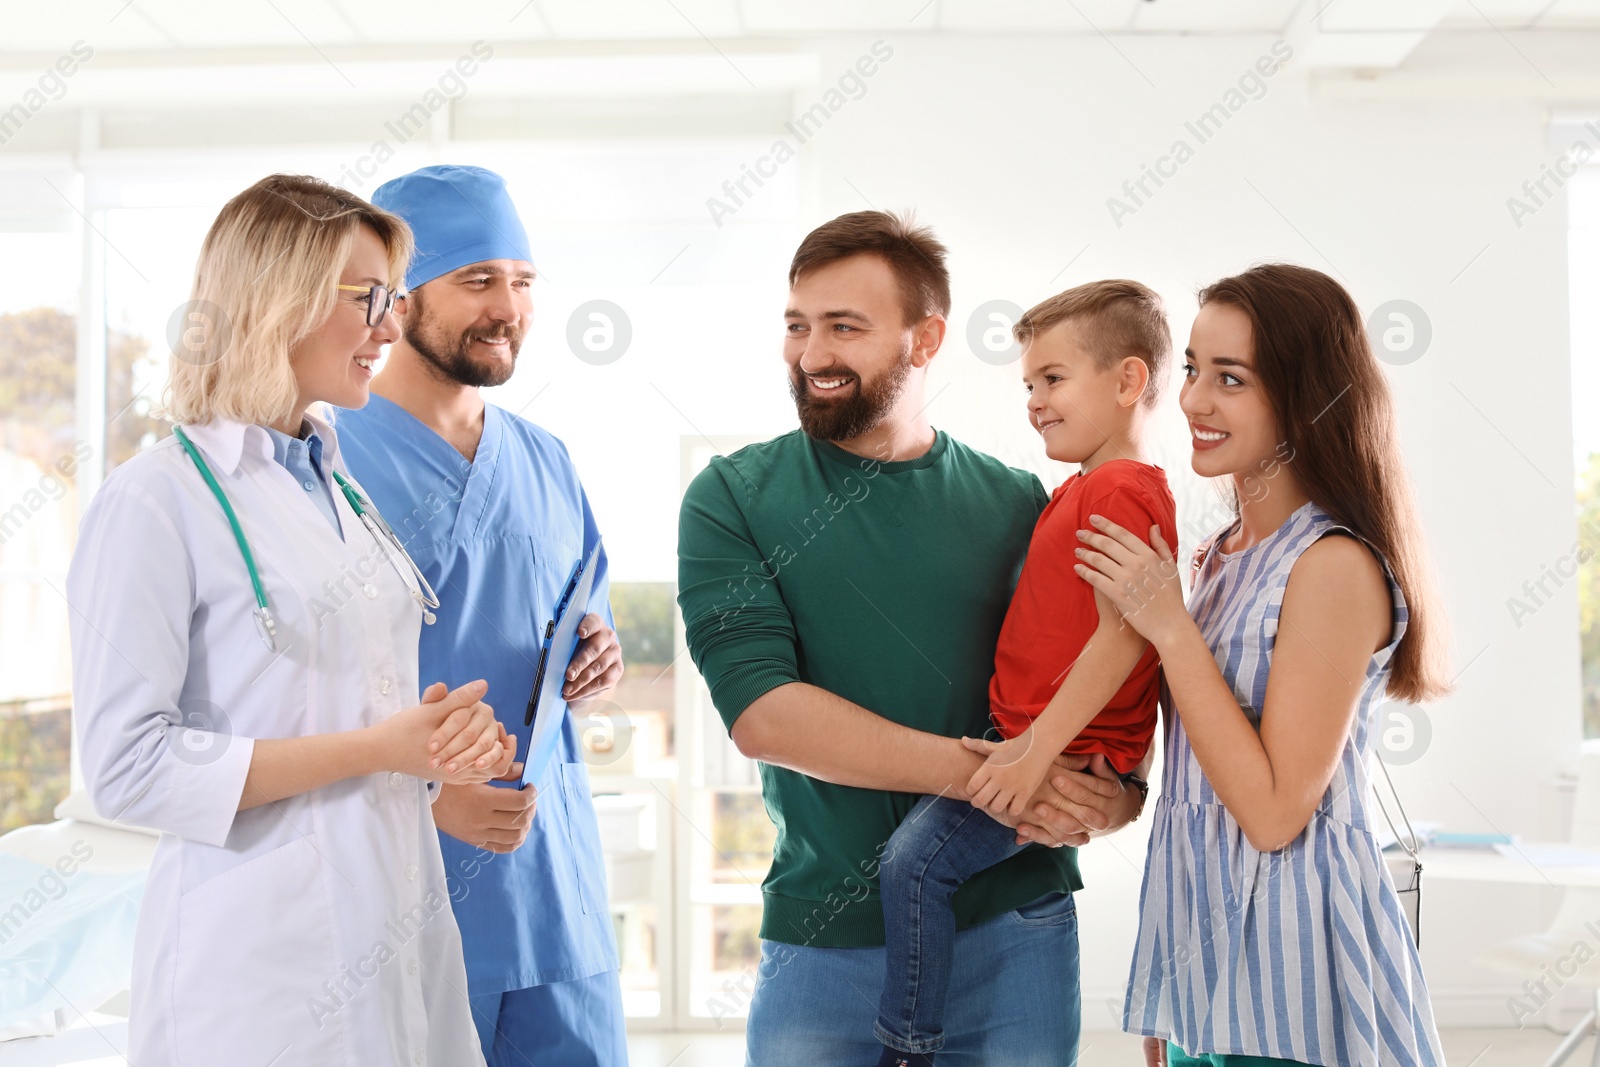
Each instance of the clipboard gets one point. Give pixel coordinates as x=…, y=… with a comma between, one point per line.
x=547, y=709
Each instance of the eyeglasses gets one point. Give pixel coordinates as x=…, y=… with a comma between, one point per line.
x=380, y=301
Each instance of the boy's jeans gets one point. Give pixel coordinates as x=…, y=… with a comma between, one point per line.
x=1016, y=1001
x=941, y=844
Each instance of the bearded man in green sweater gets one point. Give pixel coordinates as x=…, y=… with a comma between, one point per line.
x=843, y=587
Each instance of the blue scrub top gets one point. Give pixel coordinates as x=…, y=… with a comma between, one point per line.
x=498, y=538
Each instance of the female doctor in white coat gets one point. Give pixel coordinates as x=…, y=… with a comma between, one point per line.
x=245, y=673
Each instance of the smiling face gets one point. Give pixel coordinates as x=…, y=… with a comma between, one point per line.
x=333, y=363
x=848, y=347
x=1079, y=408
x=1232, y=424
x=469, y=324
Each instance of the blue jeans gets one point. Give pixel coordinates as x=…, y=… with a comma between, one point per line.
x=937, y=847
x=575, y=1024
x=1016, y=1002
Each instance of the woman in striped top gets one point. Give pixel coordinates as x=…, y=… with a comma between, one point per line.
x=1270, y=931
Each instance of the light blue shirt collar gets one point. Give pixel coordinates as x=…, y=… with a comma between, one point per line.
x=302, y=457
x=286, y=449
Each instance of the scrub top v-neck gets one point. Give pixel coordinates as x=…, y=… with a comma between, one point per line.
x=498, y=537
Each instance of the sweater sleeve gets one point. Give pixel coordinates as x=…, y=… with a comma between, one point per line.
x=738, y=628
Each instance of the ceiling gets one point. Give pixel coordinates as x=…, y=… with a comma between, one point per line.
x=162, y=26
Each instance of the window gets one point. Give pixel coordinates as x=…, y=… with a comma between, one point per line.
x=39, y=460
x=150, y=255
x=728, y=847
x=1584, y=281
x=643, y=313
x=628, y=743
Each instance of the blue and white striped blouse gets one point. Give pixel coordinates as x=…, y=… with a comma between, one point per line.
x=1301, y=954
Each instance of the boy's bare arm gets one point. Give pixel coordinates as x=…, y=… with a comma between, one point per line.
x=1107, y=659
x=1015, y=768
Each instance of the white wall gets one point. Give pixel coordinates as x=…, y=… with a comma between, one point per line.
x=1010, y=147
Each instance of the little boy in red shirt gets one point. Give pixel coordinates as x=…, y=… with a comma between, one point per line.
x=1069, y=675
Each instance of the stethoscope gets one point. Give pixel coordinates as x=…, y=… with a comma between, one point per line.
x=266, y=625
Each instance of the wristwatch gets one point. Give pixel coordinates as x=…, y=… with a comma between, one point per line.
x=1142, y=786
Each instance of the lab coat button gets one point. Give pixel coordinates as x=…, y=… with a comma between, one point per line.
x=411, y=873
x=419, y=1057
x=411, y=966
x=396, y=779
x=384, y=685
x=371, y=590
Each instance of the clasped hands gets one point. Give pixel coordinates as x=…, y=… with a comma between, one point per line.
x=497, y=819
x=1050, y=798
x=1139, y=581
x=451, y=737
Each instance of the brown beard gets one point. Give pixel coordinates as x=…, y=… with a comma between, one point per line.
x=451, y=358
x=846, y=418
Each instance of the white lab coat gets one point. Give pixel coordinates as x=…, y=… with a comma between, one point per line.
x=316, y=930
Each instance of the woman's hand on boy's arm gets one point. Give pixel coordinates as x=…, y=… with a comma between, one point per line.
x=1140, y=580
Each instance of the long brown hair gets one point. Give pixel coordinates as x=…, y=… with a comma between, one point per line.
x=1335, y=413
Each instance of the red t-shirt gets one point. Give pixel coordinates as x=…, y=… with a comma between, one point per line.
x=1053, y=614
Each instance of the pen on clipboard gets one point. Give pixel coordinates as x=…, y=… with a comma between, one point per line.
x=544, y=650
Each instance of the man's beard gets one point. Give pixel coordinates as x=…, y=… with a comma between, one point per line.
x=848, y=417
x=451, y=358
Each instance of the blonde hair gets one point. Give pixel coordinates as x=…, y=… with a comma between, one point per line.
x=266, y=279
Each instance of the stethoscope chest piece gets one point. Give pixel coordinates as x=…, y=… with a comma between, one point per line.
x=267, y=628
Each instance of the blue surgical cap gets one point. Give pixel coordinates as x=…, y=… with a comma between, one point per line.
x=459, y=215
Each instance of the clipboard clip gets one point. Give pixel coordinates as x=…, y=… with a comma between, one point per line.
x=544, y=650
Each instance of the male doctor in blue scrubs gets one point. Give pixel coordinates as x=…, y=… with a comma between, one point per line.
x=491, y=507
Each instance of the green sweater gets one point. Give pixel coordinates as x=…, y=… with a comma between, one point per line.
x=885, y=584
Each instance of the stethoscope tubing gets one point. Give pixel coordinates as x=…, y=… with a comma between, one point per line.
x=381, y=532
x=422, y=592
